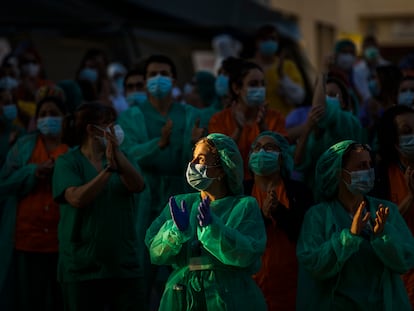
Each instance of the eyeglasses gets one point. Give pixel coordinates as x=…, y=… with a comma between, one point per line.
x=265, y=147
x=358, y=146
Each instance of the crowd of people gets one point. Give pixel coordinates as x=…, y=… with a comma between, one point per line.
x=247, y=190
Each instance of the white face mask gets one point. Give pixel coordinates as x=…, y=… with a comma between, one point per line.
x=197, y=176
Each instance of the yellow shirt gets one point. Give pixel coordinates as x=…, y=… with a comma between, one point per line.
x=272, y=79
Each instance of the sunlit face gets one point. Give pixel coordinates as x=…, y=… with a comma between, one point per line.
x=359, y=159
x=255, y=78
x=49, y=109
x=204, y=155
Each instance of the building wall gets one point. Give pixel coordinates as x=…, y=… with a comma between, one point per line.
x=322, y=21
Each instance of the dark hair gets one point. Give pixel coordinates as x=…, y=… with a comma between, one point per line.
x=407, y=78
x=355, y=146
x=239, y=72
x=388, y=133
x=158, y=58
x=389, y=77
x=265, y=31
x=369, y=40
x=131, y=73
x=230, y=64
x=56, y=100
x=74, y=125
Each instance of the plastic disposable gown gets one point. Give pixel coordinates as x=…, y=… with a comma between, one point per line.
x=231, y=248
x=342, y=271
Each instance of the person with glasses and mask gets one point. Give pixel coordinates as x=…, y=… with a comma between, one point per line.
x=29, y=217
x=352, y=248
x=213, y=238
x=395, y=168
x=283, y=202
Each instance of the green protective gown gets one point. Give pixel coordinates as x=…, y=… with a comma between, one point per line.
x=231, y=248
x=342, y=271
x=17, y=179
x=163, y=169
x=6, y=128
x=101, y=240
x=337, y=125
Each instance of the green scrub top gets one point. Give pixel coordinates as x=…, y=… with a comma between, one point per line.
x=5, y=137
x=342, y=271
x=164, y=169
x=17, y=179
x=230, y=254
x=100, y=240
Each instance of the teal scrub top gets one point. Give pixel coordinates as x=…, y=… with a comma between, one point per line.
x=5, y=137
x=17, y=179
x=230, y=254
x=342, y=271
x=100, y=240
x=164, y=169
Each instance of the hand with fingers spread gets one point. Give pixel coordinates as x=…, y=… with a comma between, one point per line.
x=382, y=215
x=179, y=214
x=359, y=220
x=204, y=214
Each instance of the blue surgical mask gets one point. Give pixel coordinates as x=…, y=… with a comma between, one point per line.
x=159, y=86
x=222, y=85
x=10, y=112
x=255, y=96
x=373, y=87
x=88, y=74
x=50, y=126
x=268, y=47
x=264, y=163
x=362, y=181
x=406, y=98
x=8, y=83
x=407, y=145
x=345, y=61
x=197, y=176
x=333, y=105
x=136, y=98
x=371, y=53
